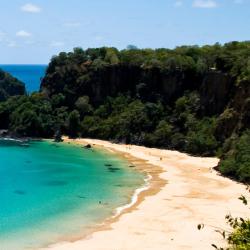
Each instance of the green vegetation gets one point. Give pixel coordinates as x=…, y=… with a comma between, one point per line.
x=236, y=160
x=10, y=86
x=193, y=99
x=238, y=238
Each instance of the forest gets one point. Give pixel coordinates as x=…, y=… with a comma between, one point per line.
x=10, y=86
x=192, y=99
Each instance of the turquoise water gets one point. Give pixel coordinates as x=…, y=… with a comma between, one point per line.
x=29, y=74
x=51, y=192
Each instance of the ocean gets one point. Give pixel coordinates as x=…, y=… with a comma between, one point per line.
x=31, y=75
x=50, y=191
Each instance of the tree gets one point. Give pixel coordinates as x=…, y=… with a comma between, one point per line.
x=83, y=106
x=26, y=123
x=73, y=123
x=236, y=161
x=163, y=134
x=131, y=47
x=112, y=56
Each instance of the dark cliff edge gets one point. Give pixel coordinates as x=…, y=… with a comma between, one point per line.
x=217, y=90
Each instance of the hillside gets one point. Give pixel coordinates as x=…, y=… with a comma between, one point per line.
x=193, y=99
x=10, y=86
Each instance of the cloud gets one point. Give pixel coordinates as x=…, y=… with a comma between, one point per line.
x=205, y=4
x=23, y=33
x=72, y=24
x=56, y=44
x=31, y=8
x=178, y=4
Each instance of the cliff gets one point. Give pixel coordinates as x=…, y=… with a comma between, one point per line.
x=148, y=84
x=193, y=99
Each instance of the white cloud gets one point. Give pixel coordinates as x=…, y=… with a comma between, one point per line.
x=178, y=4
x=205, y=4
x=72, y=24
x=56, y=44
x=31, y=8
x=23, y=33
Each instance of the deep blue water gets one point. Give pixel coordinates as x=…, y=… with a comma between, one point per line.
x=29, y=74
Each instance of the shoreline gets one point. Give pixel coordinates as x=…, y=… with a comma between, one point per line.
x=169, y=194
x=135, y=197
x=152, y=185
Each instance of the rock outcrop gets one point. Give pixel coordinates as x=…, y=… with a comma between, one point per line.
x=10, y=86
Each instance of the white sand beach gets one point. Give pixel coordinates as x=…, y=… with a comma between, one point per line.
x=184, y=191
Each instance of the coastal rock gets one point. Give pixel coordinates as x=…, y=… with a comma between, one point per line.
x=108, y=165
x=58, y=136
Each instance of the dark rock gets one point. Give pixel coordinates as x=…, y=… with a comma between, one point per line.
x=118, y=185
x=215, y=92
x=81, y=197
x=110, y=80
x=236, y=117
x=20, y=192
x=58, y=136
x=3, y=133
x=112, y=169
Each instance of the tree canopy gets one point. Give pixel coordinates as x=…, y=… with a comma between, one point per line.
x=194, y=99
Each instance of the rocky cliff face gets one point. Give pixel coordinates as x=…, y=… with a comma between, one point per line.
x=220, y=96
x=215, y=88
x=241, y=102
x=236, y=115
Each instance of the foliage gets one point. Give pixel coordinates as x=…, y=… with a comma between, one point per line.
x=155, y=97
x=236, y=161
x=73, y=123
x=31, y=116
x=239, y=237
x=83, y=106
x=10, y=86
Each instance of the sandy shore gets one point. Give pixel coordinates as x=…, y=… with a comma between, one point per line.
x=184, y=192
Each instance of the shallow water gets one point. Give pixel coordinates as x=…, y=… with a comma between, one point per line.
x=51, y=192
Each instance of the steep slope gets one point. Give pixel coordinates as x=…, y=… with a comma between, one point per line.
x=193, y=99
x=10, y=86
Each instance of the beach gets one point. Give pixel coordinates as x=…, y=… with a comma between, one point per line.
x=183, y=191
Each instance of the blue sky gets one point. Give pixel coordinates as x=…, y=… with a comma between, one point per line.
x=33, y=31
